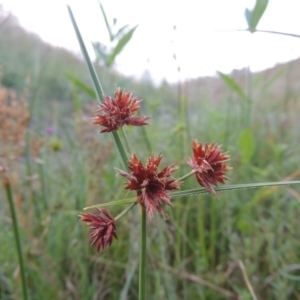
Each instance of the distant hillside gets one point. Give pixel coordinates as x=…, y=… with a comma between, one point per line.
x=27, y=61
x=281, y=81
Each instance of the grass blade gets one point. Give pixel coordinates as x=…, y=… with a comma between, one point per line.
x=233, y=85
x=97, y=86
x=121, y=44
x=191, y=192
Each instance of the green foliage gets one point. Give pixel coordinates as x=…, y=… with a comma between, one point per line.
x=194, y=254
x=233, y=85
x=119, y=47
x=122, y=37
x=89, y=91
x=13, y=80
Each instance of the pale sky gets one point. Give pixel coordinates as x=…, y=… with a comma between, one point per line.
x=200, y=51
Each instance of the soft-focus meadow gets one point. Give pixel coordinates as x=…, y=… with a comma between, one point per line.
x=59, y=163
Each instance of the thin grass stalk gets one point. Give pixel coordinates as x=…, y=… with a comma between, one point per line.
x=97, y=87
x=125, y=211
x=187, y=119
x=178, y=238
x=262, y=31
x=7, y=187
x=146, y=139
x=246, y=278
x=143, y=248
x=227, y=124
x=181, y=118
x=123, y=155
x=29, y=172
x=249, y=102
x=184, y=224
x=43, y=184
x=31, y=105
x=213, y=231
x=181, y=194
x=181, y=143
x=125, y=140
x=164, y=277
x=201, y=230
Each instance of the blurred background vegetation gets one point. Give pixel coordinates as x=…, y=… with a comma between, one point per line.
x=59, y=163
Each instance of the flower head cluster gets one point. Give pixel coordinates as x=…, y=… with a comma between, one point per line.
x=104, y=229
x=151, y=185
x=209, y=165
x=114, y=113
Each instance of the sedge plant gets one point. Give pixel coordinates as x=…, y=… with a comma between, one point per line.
x=154, y=188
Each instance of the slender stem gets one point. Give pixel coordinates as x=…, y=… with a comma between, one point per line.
x=121, y=148
x=97, y=85
x=44, y=193
x=111, y=203
x=259, y=30
x=278, y=32
x=146, y=139
x=124, y=137
x=143, y=247
x=246, y=278
x=125, y=211
x=213, y=231
x=9, y=195
x=201, y=230
x=96, y=82
x=202, y=190
x=186, y=176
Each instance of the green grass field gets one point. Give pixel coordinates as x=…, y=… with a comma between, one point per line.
x=245, y=244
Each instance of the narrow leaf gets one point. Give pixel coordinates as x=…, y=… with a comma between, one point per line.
x=201, y=190
x=85, y=88
x=121, y=44
x=197, y=191
x=106, y=22
x=95, y=80
x=98, y=88
x=231, y=83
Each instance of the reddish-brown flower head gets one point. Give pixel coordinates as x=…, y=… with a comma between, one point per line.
x=151, y=186
x=209, y=164
x=114, y=113
x=104, y=228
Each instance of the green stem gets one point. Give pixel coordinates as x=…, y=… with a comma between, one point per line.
x=186, y=176
x=124, y=137
x=181, y=194
x=29, y=173
x=125, y=211
x=213, y=231
x=201, y=230
x=263, y=31
x=278, y=32
x=121, y=149
x=146, y=139
x=143, y=247
x=7, y=187
x=43, y=184
x=97, y=85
